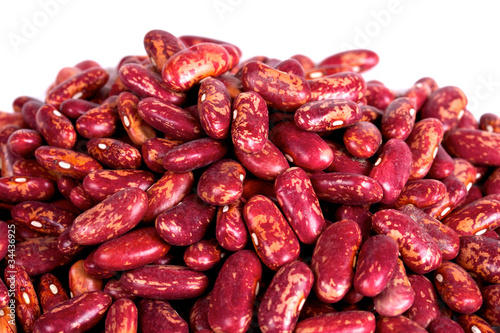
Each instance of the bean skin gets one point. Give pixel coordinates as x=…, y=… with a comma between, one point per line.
x=425, y=307
x=398, y=324
x=444, y=325
x=55, y=127
x=327, y=115
x=491, y=309
x=446, y=104
x=159, y=316
x=481, y=256
x=341, y=322
x=161, y=45
x=347, y=85
x=474, y=324
x=50, y=292
x=361, y=60
x=475, y=217
x=474, y=145
x=214, y=106
x=230, y=228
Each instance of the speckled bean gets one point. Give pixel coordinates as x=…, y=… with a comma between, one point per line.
x=378, y=95
x=159, y=316
x=234, y=293
x=115, y=289
x=153, y=150
x=137, y=129
x=24, y=142
x=346, y=188
x=359, y=214
x=74, y=108
x=185, y=223
x=165, y=282
x=492, y=183
x=457, y=288
x=214, y=107
x=474, y=145
x=447, y=239
x=78, y=314
x=43, y=217
x=456, y=193
x=161, y=45
x=81, y=86
x=392, y=169
x=444, y=325
x=491, y=306
x=421, y=193
x=27, y=307
x=230, y=228
x=66, y=246
x=283, y=91
x=360, y=60
x=399, y=119
x=442, y=165
x=99, y=122
x=465, y=171
x=418, y=250
x=222, y=182
x=425, y=307
x=362, y=139
x=398, y=296
x=489, y=122
x=398, y=324
x=81, y=282
x=194, y=155
x=343, y=161
x=327, y=115
x=31, y=168
x=447, y=104
x=347, y=85
x=304, y=149
x=131, y=250
x=474, y=218
x=333, y=260
x=480, y=255
x=18, y=189
x=175, y=122
x=272, y=237
x=420, y=91
x=114, y=153
x=50, y=292
x=198, y=315
x=474, y=324
x=167, y=192
x=203, y=255
x=80, y=198
x=110, y=218
x=424, y=142
x=341, y=322
x=55, y=127
x=375, y=265
x=66, y=162
x=122, y=317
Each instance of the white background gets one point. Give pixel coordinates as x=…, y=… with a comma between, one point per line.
x=455, y=42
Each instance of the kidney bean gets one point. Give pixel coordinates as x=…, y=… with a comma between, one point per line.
x=398, y=324
x=27, y=307
x=122, y=317
x=240, y=275
x=420, y=91
x=19, y=102
x=137, y=129
x=165, y=282
x=175, y=122
x=159, y=316
x=480, y=255
x=167, y=192
x=490, y=310
x=359, y=214
x=474, y=146
x=203, y=255
x=474, y=218
x=187, y=222
x=161, y=45
x=313, y=307
x=145, y=83
x=360, y=60
x=444, y=325
x=111, y=218
x=153, y=151
x=392, y=169
x=230, y=229
x=194, y=154
x=285, y=297
x=378, y=95
x=346, y=188
x=399, y=119
x=95, y=271
x=421, y=193
x=465, y=171
x=418, y=250
x=214, y=107
x=342, y=322
x=489, y=122
x=78, y=314
x=74, y=108
x=250, y=125
x=283, y=91
x=291, y=66
x=446, y=238
x=442, y=166
x=114, y=288
x=189, y=66
x=397, y=296
x=50, y=292
x=4, y=295
x=66, y=162
x=266, y=164
x=114, y=153
x=344, y=161
x=66, y=246
x=474, y=324
x=305, y=149
x=81, y=199
x=475, y=193
x=346, y=85
x=80, y=86
x=326, y=115
x=333, y=260
x=43, y=217
x=299, y=204
x=99, y=122
x=425, y=307
x=18, y=189
x=222, y=182
x=80, y=282
x=468, y=121
x=31, y=168
x=4, y=239
x=232, y=84
x=376, y=262
x=447, y=104
x=424, y=141
x=457, y=288
x=492, y=183
x=131, y=250
x=304, y=61
x=198, y=315
x=24, y=142
x=456, y=194
x=362, y=139
x=55, y=127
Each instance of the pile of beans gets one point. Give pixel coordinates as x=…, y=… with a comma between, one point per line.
x=186, y=190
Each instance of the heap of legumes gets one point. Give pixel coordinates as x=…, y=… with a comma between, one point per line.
x=186, y=190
